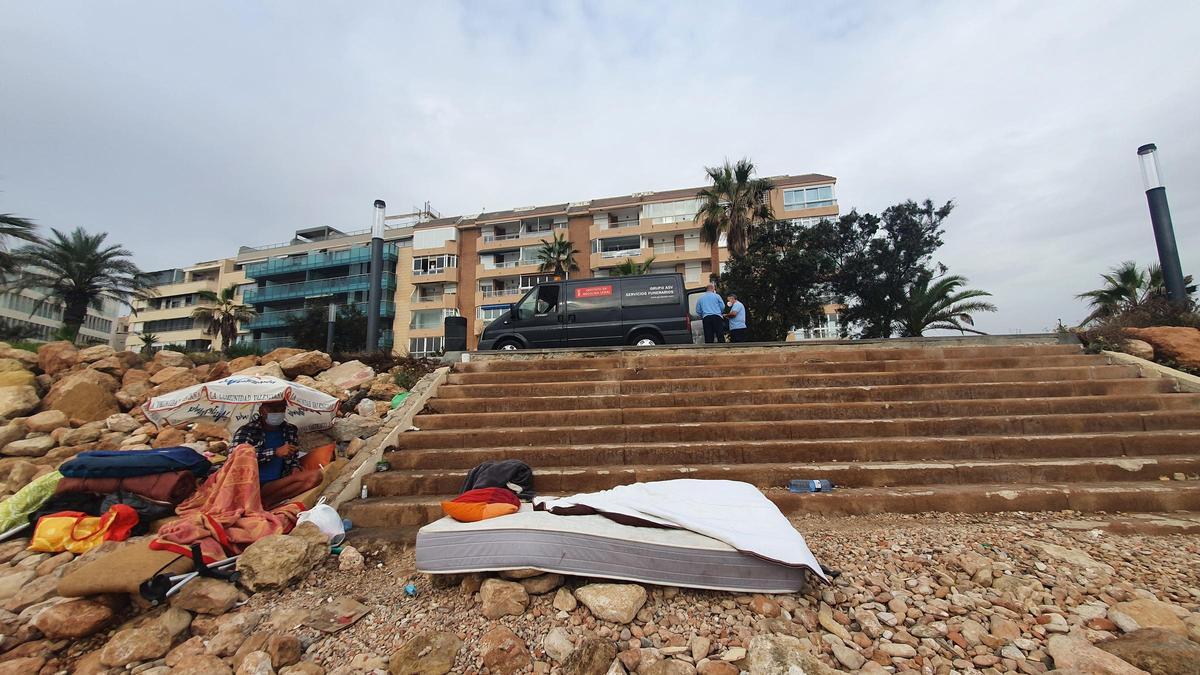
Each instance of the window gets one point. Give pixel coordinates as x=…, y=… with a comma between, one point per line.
x=426, y=346
x=810, y=222
x=169, y=325
x=808, y=198
x=671, y=212
x=544, y=302
x=490, y=313
x=433, y=264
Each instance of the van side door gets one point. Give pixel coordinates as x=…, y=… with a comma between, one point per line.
x=593, y=312
x=539, y=317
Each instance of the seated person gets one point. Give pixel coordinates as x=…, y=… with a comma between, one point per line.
x=276, y=441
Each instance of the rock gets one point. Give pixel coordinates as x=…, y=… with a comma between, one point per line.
x=280, y=354
x=349, y=375
x=243, y=362
x=256, y=663
x=1178, y=344
x=306, y=363
x=1069, y=555
x=111, y=366
x=206, y=596
x=322, y=386
x=167, y=358
x=210, y=431
x=618, y=603
x=782, y=655
x=350, y=560
x=284, y=649
x=564, y=601
x=279, y=560
x=354, y=426
x=503, y=598
x=8, y=365
x=1156, y=650
x=95, y=353
x=429, y=653
x=764, y=606
x=201, y=664
x=542, y=584
x=700, y=647
x=825, y=618
x=39, y=590
x=29, y=447
x=28, y=358
x=13, y=431
x=1138, y=348
x=669, y=667
x=55, y=357
x=82, y=398
x=558, y=644
x=845, y=655
x=73, y=619
x=54, y=562
x=366, y=408
x=19, y=400
x=519, y=574
x=13, y=582
x=1146, y=613
x=47, y=421
x=17, y=378
x=136, y=644
x=716, y=668
x=181, y=380
x=1193, y=627
x=384, y=388
x=592, y=657
x=898, y=650
x=303, y=668
x=503, y=653
x=169, y=437
x=1074, y=653
x=167, y=373
x=266, y=370
x=86, y=434
x=1003, y=629
x=22, y=666
x=175, y=620
x=122, y=422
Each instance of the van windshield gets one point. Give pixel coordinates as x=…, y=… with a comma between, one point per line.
x=541, y=302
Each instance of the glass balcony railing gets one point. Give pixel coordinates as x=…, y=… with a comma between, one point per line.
x=315, y=288
x=497, y=292
x=359, y=254
x=275, y=341
x=277, y=318
x=622, y=253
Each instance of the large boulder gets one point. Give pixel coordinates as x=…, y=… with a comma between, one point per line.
x=167, y=357
x=1075, y=654
x=18, y=401
x=1157, y=651
x=13, y=431
x=47, y=421
x=73, y=619
x=503, y=598
x=349, y=375
x=8, y=365
x=322, y=386
x=354, y=426
x=165, y=374
x=55, y=357
x=306, y=363
x=111, y=366
x=265, y=370
x=96, y=353
x=207, y=596
x=122, y=422
x=136, y=644
x=81, y=397
x=783, y=655
x=29, y=447
x=1177, y=343
x=280, y=354
x=618, y=603
x=1146, y=613
x=17, y=378
x=1138, y=348
x=279, y=560
x=88, y=433
x=30, y=359
x=180, y=380
x=426, y=654
x=503, y=652
x=243, y=362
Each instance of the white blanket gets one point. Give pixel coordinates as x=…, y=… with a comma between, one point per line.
x=730, y=511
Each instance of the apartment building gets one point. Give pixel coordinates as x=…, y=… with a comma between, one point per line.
x=20, y=311
x=475, y=266
x=168, y=315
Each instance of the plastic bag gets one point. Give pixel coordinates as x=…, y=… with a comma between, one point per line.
x=326, y=518
x=79, y=533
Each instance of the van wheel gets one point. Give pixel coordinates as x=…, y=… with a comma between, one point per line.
x=508, y=346
x=645, y=340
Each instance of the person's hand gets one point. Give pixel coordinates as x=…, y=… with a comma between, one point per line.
x=286, y=450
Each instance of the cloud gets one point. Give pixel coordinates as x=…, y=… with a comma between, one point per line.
x=220, y=124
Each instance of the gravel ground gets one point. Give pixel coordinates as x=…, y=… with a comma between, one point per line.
x=936, y=593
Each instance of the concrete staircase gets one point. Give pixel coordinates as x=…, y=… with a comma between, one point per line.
x=990, y=425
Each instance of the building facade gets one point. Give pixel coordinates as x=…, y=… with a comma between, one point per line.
x=19, y=310
x=168, y=315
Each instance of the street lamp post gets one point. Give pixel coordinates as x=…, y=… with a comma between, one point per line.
x=330, y=320
x=375, y=290
x=1160, y=219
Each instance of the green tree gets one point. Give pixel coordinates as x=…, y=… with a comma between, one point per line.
x=631, y=268
x=557, y=255
x=308, y=328
x=221, y=318
x=14, y=227
x=149, y=340
x=783, y=278
x=1126, y=288
x=79, y=271
x=733, y=205
x=941, y=302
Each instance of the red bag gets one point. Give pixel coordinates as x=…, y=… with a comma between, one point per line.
x=79, y=533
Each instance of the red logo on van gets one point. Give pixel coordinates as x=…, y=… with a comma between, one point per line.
x=593, y=291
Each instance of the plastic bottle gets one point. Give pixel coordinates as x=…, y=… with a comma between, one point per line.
x=810, y=485
x=362, y=494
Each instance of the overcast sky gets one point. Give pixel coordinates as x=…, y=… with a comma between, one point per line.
x=185, y=129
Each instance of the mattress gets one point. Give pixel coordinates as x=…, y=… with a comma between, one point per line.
x=594, y=546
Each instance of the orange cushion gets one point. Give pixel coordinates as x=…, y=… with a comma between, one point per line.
x=318, y=457
x=469, y=512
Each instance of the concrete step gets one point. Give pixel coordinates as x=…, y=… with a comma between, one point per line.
x=1130, y=496
x=572, y=480
x=747, y=432
x=757, y=355
x=900, y=392
x=735, y=383
x=896, y=449
x=820, y=411
x=750, y=369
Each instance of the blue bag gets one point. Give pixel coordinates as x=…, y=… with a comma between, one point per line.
x=126, y=463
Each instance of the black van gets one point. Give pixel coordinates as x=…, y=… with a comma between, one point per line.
x=651, y=309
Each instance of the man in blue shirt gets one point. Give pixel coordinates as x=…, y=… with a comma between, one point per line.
x=712, y=314
x=737, y=319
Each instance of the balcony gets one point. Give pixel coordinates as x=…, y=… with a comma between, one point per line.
x=664, y=253
x=316, y=288
x=494, y=296
x=506, y=269
x=435, y=275
x=444, y=300
x=618, y=256
x=268, y=343
x=496, y=242
x=278, y=318
x=359, y=254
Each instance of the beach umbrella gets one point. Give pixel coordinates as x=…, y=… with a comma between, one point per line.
x=233, y=401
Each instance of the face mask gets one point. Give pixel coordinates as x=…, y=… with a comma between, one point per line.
x=275, y=419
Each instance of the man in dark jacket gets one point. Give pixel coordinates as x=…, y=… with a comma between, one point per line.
x=275, y=441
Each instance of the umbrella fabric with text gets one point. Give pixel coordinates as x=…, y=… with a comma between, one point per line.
x=233, y=401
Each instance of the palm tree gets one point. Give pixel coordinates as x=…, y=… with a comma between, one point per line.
x=557, y=255
x=631, y=268
x=223, y=317
x=148, y=341
x=78, y=271
x=16, y=228
x=1125, y=288
x=732, y=205
x=937, y=302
